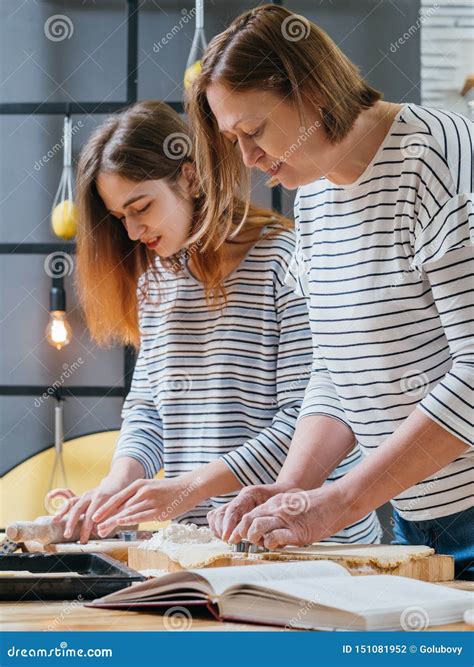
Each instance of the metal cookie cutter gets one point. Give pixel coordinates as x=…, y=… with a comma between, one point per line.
x=128, y=535
x=8, y=546
x=246, y=547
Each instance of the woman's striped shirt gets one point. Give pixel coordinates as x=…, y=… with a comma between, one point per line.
x=225, y=384
x=387, y=264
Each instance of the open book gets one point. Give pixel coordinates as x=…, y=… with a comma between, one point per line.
x=310, y=594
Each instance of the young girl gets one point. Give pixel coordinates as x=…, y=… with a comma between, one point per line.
x=225, y=347
x=385, y=249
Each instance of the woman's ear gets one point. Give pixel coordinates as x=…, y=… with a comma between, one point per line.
x=189, y=179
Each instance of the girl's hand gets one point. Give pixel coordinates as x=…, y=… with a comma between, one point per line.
x=295, y=517
x=86, y=505
x=223, y=520
x=143, y=500
x=124, y=470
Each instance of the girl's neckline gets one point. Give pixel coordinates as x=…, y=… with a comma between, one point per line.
x=234, y=271
x=378, y=152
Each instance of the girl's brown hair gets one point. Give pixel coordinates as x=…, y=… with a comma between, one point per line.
x=270, y=48
x=148, y=141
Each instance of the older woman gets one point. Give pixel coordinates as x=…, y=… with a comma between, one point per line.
x=385, y=258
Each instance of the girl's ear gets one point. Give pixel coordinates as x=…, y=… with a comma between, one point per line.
x=188, y=178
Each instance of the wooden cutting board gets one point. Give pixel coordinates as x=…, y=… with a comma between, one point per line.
x=145, y=559
x=427, y=568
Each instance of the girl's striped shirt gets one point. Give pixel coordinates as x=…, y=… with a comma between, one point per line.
x=228, y=384
x=387, y=264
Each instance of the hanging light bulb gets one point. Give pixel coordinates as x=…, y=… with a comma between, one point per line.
x=193, y=66
x=58, y=331
x=64, y=212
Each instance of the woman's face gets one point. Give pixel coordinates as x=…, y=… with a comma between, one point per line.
x=153, y=212
x=270, y=136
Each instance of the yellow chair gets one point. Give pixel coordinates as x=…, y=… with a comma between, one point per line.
x=86, y=461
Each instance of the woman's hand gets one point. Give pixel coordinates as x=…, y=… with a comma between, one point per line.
x=144, y=500
x=223, y=520
x=124, y=470
x=294, y=517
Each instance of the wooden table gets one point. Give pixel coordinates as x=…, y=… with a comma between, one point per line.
x=66, y=616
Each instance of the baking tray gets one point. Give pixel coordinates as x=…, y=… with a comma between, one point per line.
x=100, y=575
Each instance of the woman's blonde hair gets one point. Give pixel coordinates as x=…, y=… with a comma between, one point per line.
x=138, y=145
x=269, y=48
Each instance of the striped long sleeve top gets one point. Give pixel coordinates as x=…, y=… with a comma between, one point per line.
x=226, y=383
x=387, y=264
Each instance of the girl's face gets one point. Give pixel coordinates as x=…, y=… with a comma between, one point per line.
x=270, y=136
x=154, y=212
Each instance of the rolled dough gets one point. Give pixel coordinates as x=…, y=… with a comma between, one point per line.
x=188, y=545
x=384, y=556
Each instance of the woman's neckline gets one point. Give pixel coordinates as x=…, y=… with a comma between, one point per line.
x=378, y=152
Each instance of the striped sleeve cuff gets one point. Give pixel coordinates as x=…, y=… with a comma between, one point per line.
x=451, y=401
x=450, y=404
x=321, y=399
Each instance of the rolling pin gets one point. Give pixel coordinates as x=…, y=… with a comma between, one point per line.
x=44, y=531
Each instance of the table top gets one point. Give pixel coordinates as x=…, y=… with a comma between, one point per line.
x=70, y=615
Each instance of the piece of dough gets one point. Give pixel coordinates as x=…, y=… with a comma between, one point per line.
x=188, y=545
x=194, y=556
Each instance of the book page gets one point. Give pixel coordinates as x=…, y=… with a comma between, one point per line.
x=221, y=578
x=175, y=581
x=370, y=595
x=214, y=580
